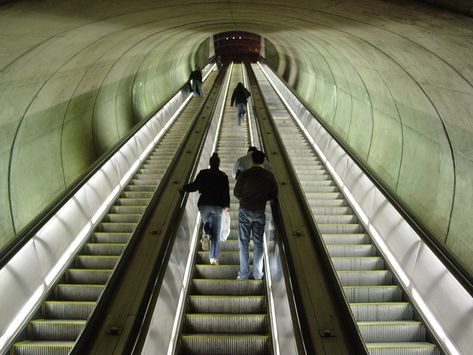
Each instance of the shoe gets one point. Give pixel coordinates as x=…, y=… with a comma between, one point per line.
x=213, y=261
x=239, y=278
x=205, y=242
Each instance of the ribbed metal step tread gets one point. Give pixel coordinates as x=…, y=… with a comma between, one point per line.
x=227, y=287
x=39, y=347
x=47, y=329
x=225, y=323
x=382, y=311
x=78, y=292
x=204, y=271
x=226, y=304
x=205, y=344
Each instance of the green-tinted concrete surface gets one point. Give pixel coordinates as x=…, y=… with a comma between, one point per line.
x=392, y=80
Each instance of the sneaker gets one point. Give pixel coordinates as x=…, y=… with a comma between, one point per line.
x=205, y=242
x=213, y=261
x=240, y=278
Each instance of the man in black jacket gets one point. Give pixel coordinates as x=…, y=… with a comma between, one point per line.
x=253, y=188
x=214, y=197
x=196, y=78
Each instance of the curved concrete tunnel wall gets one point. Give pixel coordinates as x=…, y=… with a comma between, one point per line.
x=393, y=82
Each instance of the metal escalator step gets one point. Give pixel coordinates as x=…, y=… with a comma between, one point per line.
x=140, y=187
x=336, y=219
x=67, y=309
x=122, y=217
x=96, y=261
x=39, y=347
x=325, y=203
x=403, y=348
x=203, y=271
x=349, y=228
x=226, y=323
x=314, y=183
x=111, y=237
x=365, y=277
x=402, y=331
x=133, y=201
x=227, y=287
x=362, y=294
x=128, y=209
x=103, y=249
x=226, y=257
x=46, y=329
x=384, y=311
x=324, y=195
x=227, y=304
x=346, y=239
x=205, y=344
x=332, y=210
x=232, y=245
x=352, y=250
x=88, y=276
x=137, y=194
x=73, y=292
x=343, y=263
x=116, y=227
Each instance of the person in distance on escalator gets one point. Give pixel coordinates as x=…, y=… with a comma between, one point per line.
x=214, y=197
x=253, y=188
x=196, y=79
x=245, y=162
x=240, y=99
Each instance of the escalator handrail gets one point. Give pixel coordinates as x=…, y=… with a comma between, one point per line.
x=29, y=231
x=445, y=256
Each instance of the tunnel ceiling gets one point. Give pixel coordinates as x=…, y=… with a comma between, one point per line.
x=391, y=79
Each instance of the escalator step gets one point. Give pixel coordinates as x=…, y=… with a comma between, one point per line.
x=336, y=219
x=67, y=310
x=404, y=348
x=226, y=257
x=347, y=239
x=137, y=194
x=122, y=218
x=39, y=347
x=352, y=250
x=111, y=237
x=96, y=261
x=227, y=287
x=227, y=304
x=103, y=249
x=226, y=323
x=205, y=344
x=116, y=227
x=385, y=311
x=358, y=263
x=349, y=228
x=128, y=209
x=403, y=331
x=45, y=329
x=363, y=294
x=67, y=292
x=332, y=210
x=365, y=277
x=88, y=276
x=232, y=245
x=216, y=272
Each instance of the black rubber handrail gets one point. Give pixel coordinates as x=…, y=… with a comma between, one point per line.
x=446, y=257
x=43, y=217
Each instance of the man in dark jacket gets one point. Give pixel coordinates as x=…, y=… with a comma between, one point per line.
x=214, y=197
x=196, y=79
x=253, y=188
x=240, y=98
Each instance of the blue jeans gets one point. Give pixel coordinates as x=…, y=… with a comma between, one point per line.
x=251, y=222
x=212, y=217
x=197, y=88
x=241, y=109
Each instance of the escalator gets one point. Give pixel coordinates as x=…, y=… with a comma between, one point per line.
x=387, y=320
x=224, y=315
x=62, y=317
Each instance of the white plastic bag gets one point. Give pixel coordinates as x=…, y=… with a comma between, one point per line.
x=225, y=226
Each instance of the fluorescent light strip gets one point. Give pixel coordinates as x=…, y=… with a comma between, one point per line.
x=434, y=323
x=269, y=288
x=185, y=285
x=245, y=81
